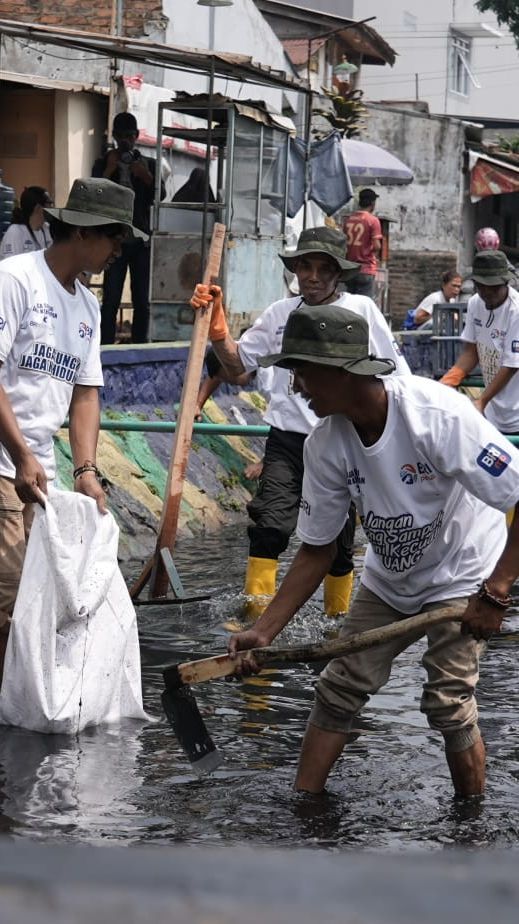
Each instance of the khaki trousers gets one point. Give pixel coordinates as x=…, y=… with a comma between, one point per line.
x=451, y=662
x=15, y=524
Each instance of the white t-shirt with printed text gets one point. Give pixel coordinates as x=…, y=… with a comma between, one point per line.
x=288, y=411
x=496, y=335
x=18, y=239
x=49, y=342
x=422, y=492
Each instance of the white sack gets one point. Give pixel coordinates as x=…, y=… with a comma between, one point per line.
x=73, y=653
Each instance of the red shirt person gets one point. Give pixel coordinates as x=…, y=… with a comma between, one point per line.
x=364, y=236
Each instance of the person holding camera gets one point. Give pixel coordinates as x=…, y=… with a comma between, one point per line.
x=126, y=166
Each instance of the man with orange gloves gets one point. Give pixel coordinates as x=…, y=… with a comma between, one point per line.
x=491, y=337
x=319, y=265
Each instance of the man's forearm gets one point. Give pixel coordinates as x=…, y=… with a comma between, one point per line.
x=505, y=374
x=311, y=564
x=227, y=352
x=84, y=424
x=468, y=358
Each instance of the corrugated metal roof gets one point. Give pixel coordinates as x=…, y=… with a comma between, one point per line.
x=49, y=83
x=233, y=66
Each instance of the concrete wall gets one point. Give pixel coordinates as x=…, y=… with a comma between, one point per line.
x=427, y=235
x=419, y=34
x=428, y=209
x=79, y=122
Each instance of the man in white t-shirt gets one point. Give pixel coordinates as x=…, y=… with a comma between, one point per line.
x=319, y=265
x=431, y=480
x=491, y=337
x=50, y=363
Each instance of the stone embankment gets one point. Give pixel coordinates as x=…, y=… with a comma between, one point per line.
x=146, y=384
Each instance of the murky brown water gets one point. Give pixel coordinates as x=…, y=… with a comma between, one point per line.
x=131, y=784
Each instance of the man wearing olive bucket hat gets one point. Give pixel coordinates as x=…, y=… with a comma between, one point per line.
x=319, y=265
x=491, y=338
x=431, y=479
x=50, y=362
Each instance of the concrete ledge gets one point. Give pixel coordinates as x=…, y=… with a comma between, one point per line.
x=71, y=885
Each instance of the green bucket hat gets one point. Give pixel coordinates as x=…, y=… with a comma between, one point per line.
x=324, y=241
x=329, y=336
x=97, y=201
x=490, y=268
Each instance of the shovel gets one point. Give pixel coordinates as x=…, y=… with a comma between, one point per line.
x=180, y=704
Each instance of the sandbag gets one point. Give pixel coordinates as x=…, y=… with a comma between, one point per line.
x=72, y=657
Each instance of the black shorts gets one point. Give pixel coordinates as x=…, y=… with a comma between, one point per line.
x=275, y=507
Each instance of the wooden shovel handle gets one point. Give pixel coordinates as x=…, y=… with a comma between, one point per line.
x=159, y=583
x=225, y=666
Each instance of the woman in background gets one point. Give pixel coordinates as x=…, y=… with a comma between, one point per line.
x=449, y=292
x=28, y=231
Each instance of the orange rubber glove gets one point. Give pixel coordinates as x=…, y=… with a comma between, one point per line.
x=202, y=298
x=453, y=377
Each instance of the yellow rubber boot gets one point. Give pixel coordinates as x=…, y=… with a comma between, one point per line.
x=337, y=594
x=260, y=584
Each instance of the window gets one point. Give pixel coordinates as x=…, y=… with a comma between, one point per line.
x=460, y=72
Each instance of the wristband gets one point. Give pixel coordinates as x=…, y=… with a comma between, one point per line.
x=87, y=467
x=500, y=603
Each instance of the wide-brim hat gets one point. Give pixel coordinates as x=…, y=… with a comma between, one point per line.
x=97, y=201
x=322, y=240
x=490, y=268
x=328, y=335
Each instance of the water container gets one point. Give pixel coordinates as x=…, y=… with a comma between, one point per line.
x=7, y=197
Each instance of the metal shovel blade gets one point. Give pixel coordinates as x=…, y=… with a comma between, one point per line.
x=188, y=725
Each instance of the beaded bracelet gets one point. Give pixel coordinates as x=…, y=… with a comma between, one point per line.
x=501, y=603
x=86, y=467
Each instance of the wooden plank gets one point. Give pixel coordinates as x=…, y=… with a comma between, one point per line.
x=183, y=434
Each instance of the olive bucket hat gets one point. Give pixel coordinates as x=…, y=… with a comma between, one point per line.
x=329, y=336
x=323, y=240
x=490, y=268
x=96, y=201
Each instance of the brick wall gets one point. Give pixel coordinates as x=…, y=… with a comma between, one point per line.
x=412, y=276
x=85, y=15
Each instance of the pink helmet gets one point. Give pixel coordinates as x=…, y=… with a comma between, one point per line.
x=487, y=239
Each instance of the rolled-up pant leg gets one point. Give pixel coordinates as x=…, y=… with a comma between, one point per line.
x=451, y=662
x=448, y=699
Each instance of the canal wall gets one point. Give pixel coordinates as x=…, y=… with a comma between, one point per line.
x=146, y=383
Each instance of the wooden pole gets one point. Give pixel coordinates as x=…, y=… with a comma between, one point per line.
x=183, y=434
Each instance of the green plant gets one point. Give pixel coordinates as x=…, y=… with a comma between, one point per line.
x=347, y=113
x=509, y=144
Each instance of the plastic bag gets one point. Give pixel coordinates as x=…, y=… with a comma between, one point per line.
x=72, y=657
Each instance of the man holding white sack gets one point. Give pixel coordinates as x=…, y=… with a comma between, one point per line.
x=50, y=363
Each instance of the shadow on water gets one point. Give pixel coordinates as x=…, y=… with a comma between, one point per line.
x=131, y=784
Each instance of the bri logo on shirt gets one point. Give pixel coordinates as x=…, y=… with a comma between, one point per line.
x=493, y=460
x=85, y=331
x=3, y=322
x=410, y=474
x=515, y=346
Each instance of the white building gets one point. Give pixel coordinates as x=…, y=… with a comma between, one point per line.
x=450, y=55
